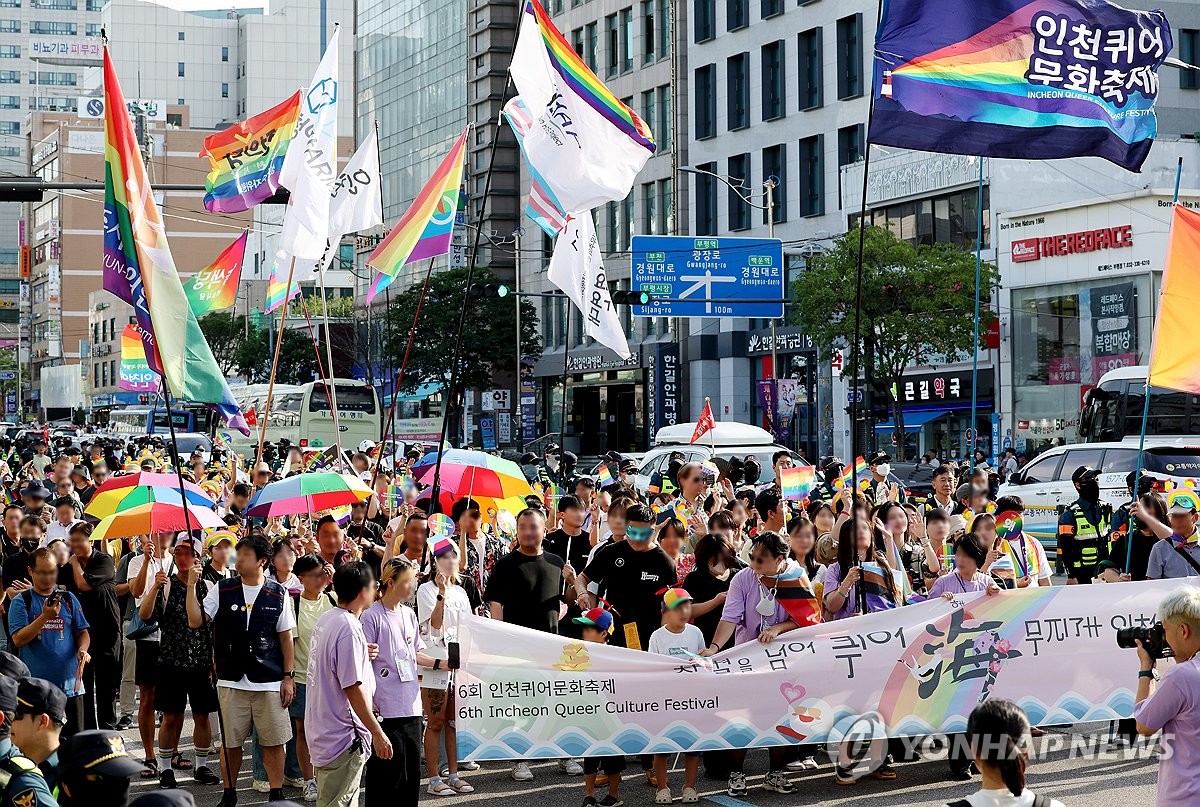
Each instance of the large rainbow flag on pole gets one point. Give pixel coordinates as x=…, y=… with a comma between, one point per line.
x=1175, y=353
x=216, y=286
x=245, y=159
x=1024, y=79
x=585, y=144
x=425, y=229
x=138, y=267
x=278, y=292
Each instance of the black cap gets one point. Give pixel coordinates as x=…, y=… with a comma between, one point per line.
x=529, y=458
x=629, y=466
x=37, y=696
x=1084, y=473
x=166, y=798
x=878, y=457
x=612, y=456
x=98, y=751
x=12, y=667
x=569, y=458
x=8, y=694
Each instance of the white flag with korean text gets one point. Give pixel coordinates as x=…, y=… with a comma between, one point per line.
x=577, y=268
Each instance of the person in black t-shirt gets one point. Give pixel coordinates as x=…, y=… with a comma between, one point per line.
x=367, y=535
x=525, y=584
x=716, y=563
x=630, y=574
x=90, y=577
x=570, y=542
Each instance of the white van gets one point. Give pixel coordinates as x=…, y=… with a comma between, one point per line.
x=1046, y=488
x=727, y=440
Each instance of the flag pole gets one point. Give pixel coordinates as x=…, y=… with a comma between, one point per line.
x=1137, y=479
x=330, y=386
x=975, y=339
x=266, y=415
x=562, y=420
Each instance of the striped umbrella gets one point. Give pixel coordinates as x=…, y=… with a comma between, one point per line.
x=308, y=493
x=107, y=502
x=153, y=517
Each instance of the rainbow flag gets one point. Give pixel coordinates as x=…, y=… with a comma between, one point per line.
x=1175, y=353
x=138, y=264
x=216, y=286
x=135, y=372
x=794, y=591
x=278, y=292
x=1004, y=78
x=860, y=470
x=245, y=159
x=797, y=483
x=425, y=229
x=606, y=477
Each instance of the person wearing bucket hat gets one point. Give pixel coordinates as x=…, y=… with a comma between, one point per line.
x=95, y=768
x=1178, y=554
x=218, y=544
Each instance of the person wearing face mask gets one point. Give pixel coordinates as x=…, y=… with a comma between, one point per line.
x=549, y=471
x=1083, y=528
x=881, y=483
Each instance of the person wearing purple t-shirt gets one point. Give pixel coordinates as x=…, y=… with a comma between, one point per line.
x=965, y=577
x=392, y=627
x=341, y=729
x=1174, y=707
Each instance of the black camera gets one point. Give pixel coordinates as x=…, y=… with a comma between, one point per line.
x=1153, y=638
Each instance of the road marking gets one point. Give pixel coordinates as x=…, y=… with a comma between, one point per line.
x=728, y=801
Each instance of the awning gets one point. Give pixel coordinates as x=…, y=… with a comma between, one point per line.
x=419, y=394
x=913, y=420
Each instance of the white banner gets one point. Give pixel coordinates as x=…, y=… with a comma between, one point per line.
x=917, y=670
x=577, y=268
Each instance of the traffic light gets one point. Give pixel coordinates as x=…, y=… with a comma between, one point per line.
x=627, y=297
x=483, y=291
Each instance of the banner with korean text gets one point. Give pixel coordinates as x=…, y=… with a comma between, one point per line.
x=916, y=670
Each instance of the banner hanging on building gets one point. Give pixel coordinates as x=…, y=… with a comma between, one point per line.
x=1026, y=79
x=913, y=671
x=135, y=373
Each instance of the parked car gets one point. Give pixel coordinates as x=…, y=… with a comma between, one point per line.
x=726, y=440
x=1045, y=486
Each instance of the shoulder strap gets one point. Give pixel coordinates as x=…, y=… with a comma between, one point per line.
x=18, y=764
x=1182, y=550
x=1041, y=801
x=27, y=598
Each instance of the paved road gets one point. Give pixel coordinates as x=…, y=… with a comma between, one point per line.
x=1107, y=780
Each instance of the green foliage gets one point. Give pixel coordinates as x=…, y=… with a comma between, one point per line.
x=488, y=347
x=243, y=348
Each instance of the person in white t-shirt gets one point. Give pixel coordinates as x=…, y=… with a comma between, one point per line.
x=680, y=639
x=153, y=563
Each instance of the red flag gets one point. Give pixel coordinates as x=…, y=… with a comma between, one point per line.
x=705, y=423
x=252, y=417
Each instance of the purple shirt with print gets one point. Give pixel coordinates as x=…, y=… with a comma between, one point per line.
x=337, y=660
x=399, y=639
x=745, y=592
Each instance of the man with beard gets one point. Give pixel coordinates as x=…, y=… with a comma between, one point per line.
x=1083, y=528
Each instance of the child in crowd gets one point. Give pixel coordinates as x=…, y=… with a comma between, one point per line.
x=597, y=624
x=679, y=638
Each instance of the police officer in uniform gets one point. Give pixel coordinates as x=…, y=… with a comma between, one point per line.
x=95, y=769
x=37, y=728
x=21, y=781
x=1083, y=528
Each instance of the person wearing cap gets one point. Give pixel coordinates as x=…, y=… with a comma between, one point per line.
x=94, y=768
x=596, y=626
x=1177, y=555
x=90, y=575
x=22, y=783
x=882, y=487
x=679, y=639
x=1083, y=528
x=37, y=724
x=626, y=470
x=12, y=667
x=252, y=623
x=34, y=496
x=81, y=480
x=549, y=471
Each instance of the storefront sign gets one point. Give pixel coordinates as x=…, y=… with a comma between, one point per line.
x=487, y=432
x=600, y=361
x=663, y=395
x=504, y=427
x=787, y=340
x=1032, y=249
x=952, y=386
x=906, y=672
x=1114, y=328
x=1063, y=370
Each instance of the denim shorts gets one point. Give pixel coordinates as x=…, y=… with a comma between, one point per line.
x=296, y=709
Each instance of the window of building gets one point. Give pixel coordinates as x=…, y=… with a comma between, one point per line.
x=224, y=54
x=812, y=94
x=53, y=28
x=92, y=29
x=649, y=210
x=737, y=14
x=849, y=56
x=181, y=37
x=53, y=78
x=774, y=164
x=224, y=90
x=664, y=134
x=649, y=107
x=10, y=51
x=771, y=8
x=626, y=40
x=772, y=80
x=592, y=45
x=626, y=225
x=612, y=224
x=54, y=5
x=613, y=37
x=666, y=204
x=706, y=200
x=739, y=175
x=174, y=119
x=10, y=102
x=663, y=18
x=10, y=26
x=577, y=41
x=10, y=3
x=180, y=70
x=1189, y=51
x=850, y=144
x=96, y=5
x=737, y=79
x=706, y=20
x=706, y=101
x=812, y=175
x=649, y=32
x=951, y=218
x=10, y=151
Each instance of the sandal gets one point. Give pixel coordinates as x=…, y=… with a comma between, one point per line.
x=181, y=763
x=151, y=771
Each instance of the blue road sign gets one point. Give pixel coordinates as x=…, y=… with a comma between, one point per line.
x=708, y=277
x=8, y=375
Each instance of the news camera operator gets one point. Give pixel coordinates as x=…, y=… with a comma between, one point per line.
x=1174, y=706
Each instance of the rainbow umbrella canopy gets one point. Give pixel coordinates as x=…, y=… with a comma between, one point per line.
x=488, y=505
x=154, y=517
x=308, y=493
x=121, y=498
x=473, y=473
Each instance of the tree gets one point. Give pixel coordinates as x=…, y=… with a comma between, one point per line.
x=225, y=333
x=488, y=346
x=917, y=307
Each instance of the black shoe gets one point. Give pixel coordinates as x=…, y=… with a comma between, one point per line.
x=166, y=780
x=205, y=776
x=125, y=723
x=228, y=798
x=276, y=794
x=589, y=801
x=960, y=774
x=611, y=801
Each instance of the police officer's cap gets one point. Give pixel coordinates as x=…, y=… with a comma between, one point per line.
x=12, y=667
x=166, y=798
x=1084, y=473
x=98, y=751
x=8, y=694
x=37, y=696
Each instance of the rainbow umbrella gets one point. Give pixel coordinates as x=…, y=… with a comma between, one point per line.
x=487, y=504
x=107, y=502
x=474, y=473
x=153, y=517
x=146, y=479
x=308, y=493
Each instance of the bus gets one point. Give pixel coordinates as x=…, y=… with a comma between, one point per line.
x=302, y=413
x=1112, y=410
x=136, y=421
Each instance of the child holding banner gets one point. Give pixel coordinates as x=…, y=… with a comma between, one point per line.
x=596, y=625
x=677, y=638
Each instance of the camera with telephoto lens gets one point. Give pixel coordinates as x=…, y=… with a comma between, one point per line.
x=1153, y=638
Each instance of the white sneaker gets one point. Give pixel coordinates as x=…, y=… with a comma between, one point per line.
x=521, y=772
x=291, y=781
x=570, y=767
x=260, y=786
x=310, y=790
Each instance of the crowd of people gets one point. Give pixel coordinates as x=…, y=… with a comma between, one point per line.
x=327, y=641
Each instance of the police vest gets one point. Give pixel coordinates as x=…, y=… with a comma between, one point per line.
x=248, y=647
x=10, y=769
x=1088, y=535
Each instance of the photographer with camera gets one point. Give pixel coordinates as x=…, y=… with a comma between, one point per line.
x=1174, y=707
